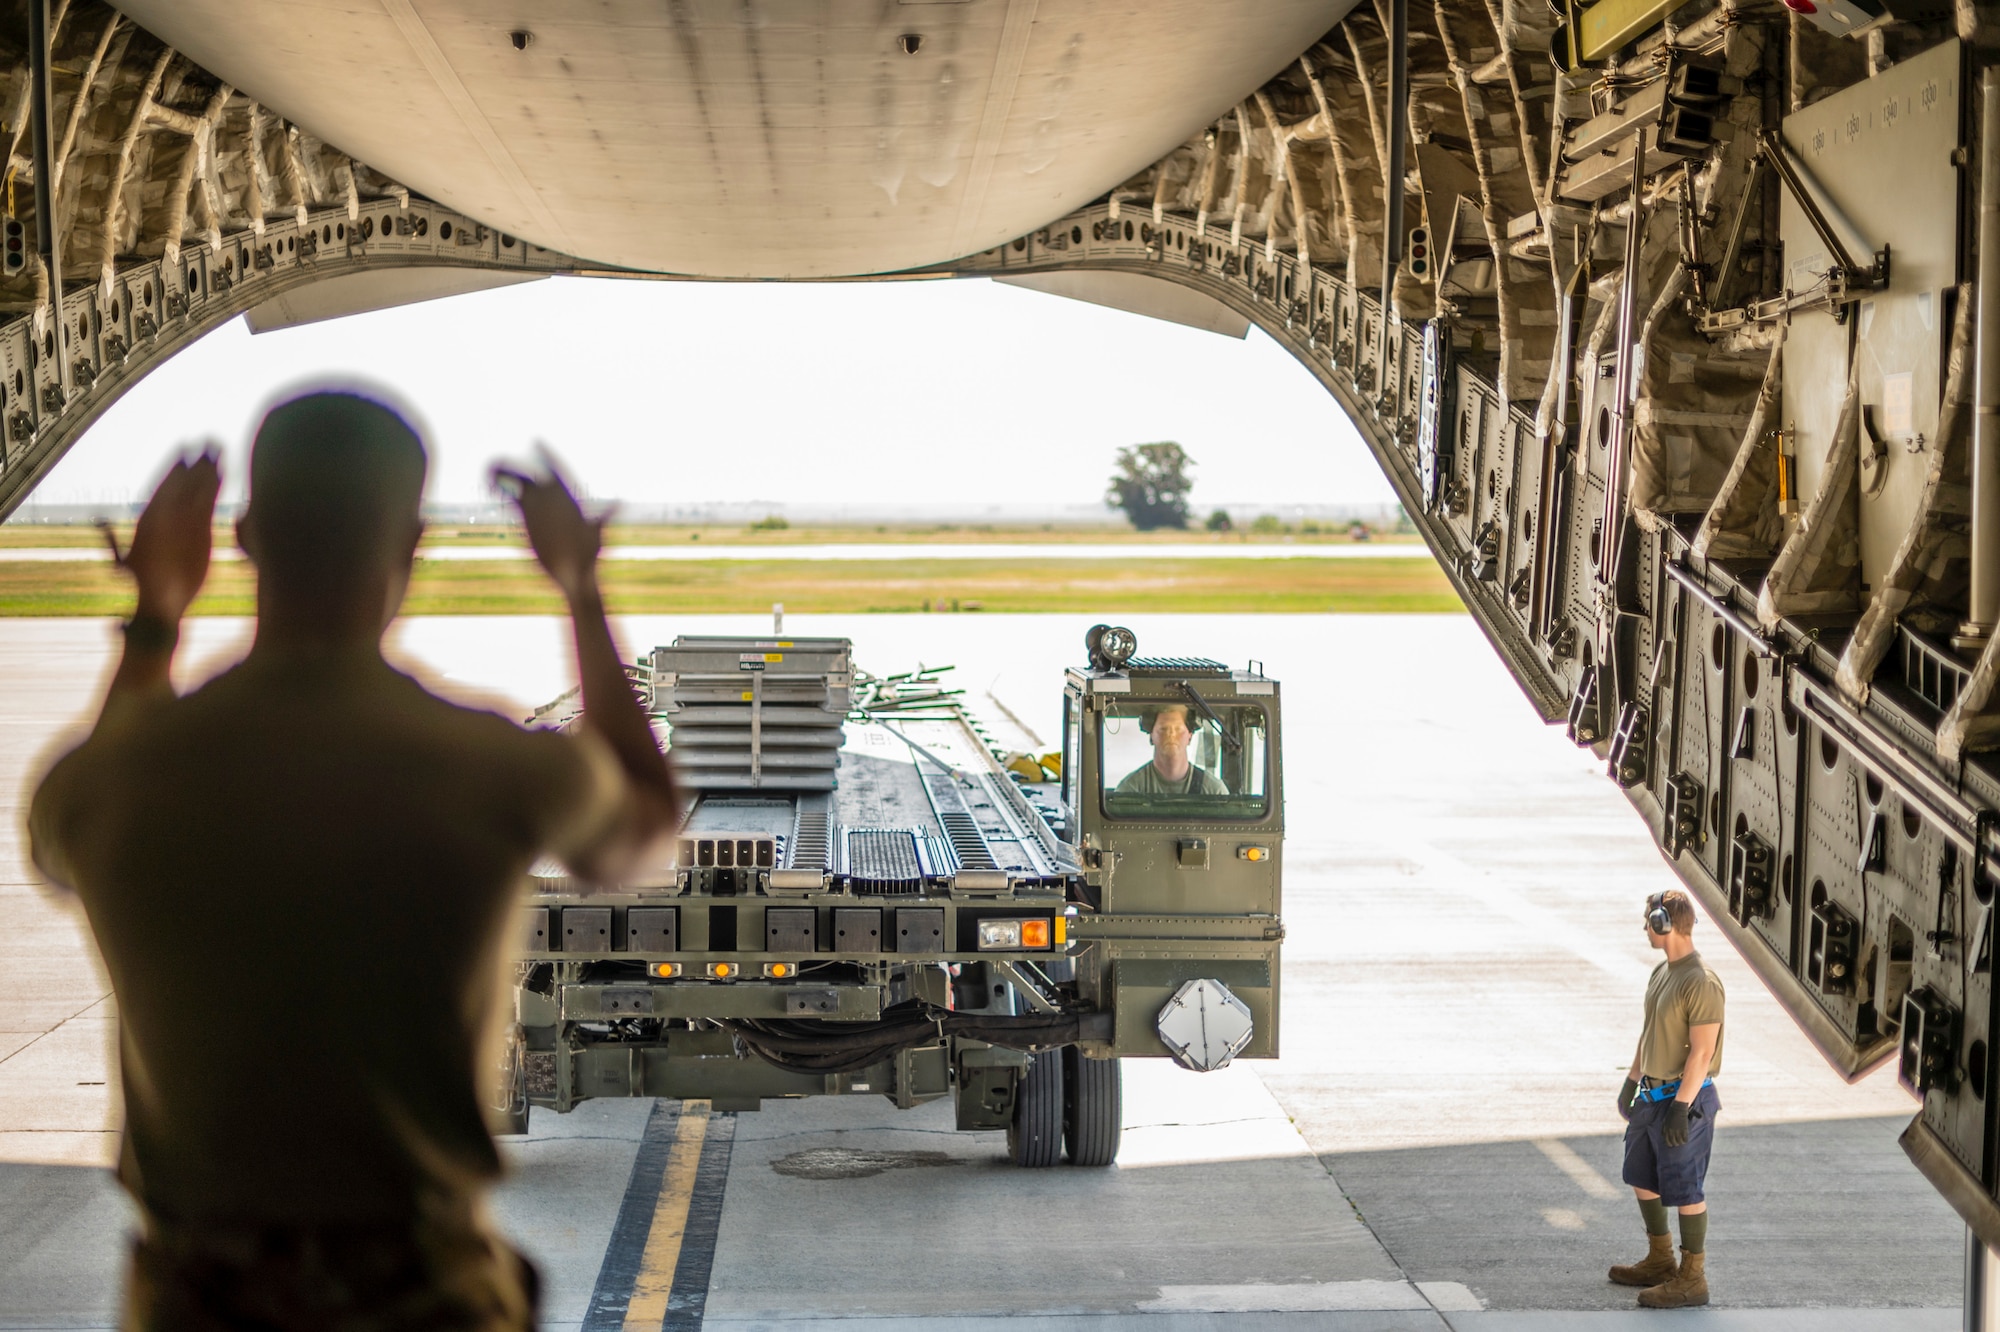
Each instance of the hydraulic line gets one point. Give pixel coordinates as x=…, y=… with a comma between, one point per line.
x=1984, y=609
x=1612, y=525
x=1392, y=180
x=844, y=1047
x=43, y=152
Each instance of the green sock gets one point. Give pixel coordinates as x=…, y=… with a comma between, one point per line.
x=1655, y=1213
x=1694, y=1231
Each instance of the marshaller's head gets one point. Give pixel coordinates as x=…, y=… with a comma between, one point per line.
x=336, y=489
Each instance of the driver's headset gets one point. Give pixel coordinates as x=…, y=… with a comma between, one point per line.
x=1657, y=919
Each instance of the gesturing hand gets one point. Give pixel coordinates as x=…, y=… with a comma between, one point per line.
x=171, y=547
x=565, y=542
x=1626, y=1094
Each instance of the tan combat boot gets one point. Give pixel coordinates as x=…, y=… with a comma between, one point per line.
x=1687, y=1288
x=1658, y=1266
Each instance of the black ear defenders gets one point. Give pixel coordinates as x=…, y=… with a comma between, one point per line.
x=1657, y=919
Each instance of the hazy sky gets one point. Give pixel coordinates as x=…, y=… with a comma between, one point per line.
x=898, y=393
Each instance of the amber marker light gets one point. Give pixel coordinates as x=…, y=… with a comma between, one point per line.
x=1034, y=934
x=1062, y=929
x=663, y=969
x=722, y=970
x=779, y=970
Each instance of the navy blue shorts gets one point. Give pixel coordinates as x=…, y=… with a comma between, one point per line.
x=1675, y=1173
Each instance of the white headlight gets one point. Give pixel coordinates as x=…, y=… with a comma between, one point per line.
x=999, y=934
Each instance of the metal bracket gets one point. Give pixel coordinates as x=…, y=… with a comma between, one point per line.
x=1751, y=891
x=1684, y=814
x=1631, y=744
x=1584, y=724
x=1845, y=280
x=1029, y=991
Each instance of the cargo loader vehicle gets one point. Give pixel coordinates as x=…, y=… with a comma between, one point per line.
x=868, y=898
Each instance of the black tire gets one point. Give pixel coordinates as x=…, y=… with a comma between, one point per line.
x=1034, y=1139
x=1093, y=1109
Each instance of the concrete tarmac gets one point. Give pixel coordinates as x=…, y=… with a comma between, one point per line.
x=1435, y=1149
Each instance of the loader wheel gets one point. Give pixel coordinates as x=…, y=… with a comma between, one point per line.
x=1093, y=1108
x=1035, y=1136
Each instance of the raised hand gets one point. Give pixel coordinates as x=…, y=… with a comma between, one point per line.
x=171, y=548
x=567, y=544
x=564, y=541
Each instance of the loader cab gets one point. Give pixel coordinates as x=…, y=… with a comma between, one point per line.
x=1173, y=796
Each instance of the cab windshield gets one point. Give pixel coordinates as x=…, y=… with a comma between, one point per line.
x=1176, y=760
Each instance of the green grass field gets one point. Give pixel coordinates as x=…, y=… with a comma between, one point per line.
x=1097, y=587
x=50, y=536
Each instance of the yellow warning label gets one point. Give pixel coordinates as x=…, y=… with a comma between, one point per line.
x=746, y=696
x=774, y=656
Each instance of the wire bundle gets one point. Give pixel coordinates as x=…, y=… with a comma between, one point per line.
x=814, y=1046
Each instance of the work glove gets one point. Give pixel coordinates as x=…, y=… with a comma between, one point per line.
x=1675, y=1131
x=1626, y=1095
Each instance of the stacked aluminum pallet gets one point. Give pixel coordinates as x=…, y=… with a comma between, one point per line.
x=755, y=714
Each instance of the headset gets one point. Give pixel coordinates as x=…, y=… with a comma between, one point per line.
x=1657, y=919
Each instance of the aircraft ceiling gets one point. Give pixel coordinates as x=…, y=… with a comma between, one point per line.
x=750, y=138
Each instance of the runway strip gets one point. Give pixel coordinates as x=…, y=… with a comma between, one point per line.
x=656, y=1268
x=843, y=553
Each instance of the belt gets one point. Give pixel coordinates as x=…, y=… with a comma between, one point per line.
x=1665, y=1090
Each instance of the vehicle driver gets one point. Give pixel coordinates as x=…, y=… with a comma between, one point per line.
x=304, y=877
x=1171, y=772
x=1669, y=1105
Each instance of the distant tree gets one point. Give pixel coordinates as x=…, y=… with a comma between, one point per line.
x=774, y=522
x=1268, y=524
x=1218, y=521
x=1151, y=485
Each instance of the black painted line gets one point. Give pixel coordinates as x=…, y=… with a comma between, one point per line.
x=627, y=1249
x=687, y=1304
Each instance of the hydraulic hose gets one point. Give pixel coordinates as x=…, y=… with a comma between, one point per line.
x=844, y=1047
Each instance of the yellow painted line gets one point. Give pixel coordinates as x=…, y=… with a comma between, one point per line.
x=647, y=1309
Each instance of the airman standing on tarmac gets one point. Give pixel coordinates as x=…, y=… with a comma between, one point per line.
x=303, y=879
x=1669, y=1106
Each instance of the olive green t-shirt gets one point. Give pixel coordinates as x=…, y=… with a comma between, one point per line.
x=303, y=879
x=1680, y=995
x=1147, y=781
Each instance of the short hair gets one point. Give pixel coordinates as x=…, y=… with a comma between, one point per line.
x=1152, y=715
x=336, y=479
x=1679, y=908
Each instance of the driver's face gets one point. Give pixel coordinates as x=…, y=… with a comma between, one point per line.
x=1170, y=732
